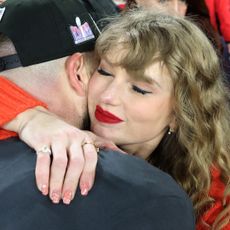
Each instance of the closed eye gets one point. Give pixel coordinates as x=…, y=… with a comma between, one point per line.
x=139, y=90
x=103, y=72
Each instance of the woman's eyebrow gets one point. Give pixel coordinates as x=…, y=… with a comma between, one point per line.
x=150, y=80
x=146, y=78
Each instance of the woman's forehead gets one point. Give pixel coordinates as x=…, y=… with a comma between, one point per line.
x=156, y=72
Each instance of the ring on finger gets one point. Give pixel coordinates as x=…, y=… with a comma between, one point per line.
x=90, y=143
x=87, y=143
x=45, y=150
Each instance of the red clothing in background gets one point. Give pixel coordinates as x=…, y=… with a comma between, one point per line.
x=216, y=192
x=14, y=100
x=120, y=4
x=219, y=12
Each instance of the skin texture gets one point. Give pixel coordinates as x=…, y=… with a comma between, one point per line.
x=150, y=112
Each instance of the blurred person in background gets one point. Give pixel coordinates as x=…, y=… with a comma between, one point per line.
x=203, y=12
x=219, y=13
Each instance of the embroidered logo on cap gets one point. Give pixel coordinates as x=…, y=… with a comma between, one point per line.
x=2, y=10
x=81, y=32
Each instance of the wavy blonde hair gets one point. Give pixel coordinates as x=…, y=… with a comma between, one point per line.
x=201, y=142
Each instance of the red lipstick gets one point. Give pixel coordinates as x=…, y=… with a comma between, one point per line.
x=105, y=116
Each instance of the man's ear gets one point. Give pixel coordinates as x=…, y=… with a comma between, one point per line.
x=77, y=74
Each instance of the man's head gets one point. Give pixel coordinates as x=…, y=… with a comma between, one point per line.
x=47, y=38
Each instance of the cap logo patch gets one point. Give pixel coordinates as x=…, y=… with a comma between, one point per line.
x=2, y=10
x=81, y=32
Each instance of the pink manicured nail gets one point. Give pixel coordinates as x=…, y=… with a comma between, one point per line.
x=84, y=190
x=44, y=189
x=67, y=197
x=55, y=197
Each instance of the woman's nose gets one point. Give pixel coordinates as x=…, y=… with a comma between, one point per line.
x=111, y=94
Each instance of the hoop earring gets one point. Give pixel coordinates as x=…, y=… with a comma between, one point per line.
x=170, y=131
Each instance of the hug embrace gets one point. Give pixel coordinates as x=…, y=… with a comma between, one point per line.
x=154, y=87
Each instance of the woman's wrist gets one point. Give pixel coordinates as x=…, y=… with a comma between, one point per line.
x=22, y=119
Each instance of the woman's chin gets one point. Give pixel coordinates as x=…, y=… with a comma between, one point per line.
x=101, y=131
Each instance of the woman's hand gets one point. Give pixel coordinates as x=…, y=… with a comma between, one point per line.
x=66, y=155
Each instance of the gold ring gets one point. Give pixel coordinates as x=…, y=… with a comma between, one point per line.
x=87, y=143
x=91, y=143
x=45, y=150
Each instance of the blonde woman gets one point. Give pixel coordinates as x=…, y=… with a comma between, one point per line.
x=158, y=93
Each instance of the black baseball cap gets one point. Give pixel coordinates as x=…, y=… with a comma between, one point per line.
x=43, y=30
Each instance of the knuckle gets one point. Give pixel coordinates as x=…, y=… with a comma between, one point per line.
x=58, y=136
x=72, y=132
x=71, y=183
x=77, y=159
x=60, y=161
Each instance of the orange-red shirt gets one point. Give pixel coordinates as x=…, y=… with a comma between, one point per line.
x=14, y=100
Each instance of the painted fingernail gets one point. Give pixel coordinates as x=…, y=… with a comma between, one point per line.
x=44, y=189
x=67, y=197
x=84, y=190
x=55, y=197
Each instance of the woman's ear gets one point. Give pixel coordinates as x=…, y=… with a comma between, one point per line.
x=173, y=124
x=77, y=74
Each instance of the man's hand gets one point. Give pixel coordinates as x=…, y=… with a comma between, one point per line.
x=66, y=155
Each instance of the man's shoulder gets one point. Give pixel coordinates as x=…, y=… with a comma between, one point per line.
x=13, y=148
x=142, y=194
x=135, y=172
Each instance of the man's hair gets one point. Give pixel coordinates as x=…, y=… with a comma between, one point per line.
x=47, y=68
x=6, y=46
x=138, y=39
x=91, y=62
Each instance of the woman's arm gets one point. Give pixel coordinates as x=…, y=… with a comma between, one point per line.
x=71, y=158
x=14, y=100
